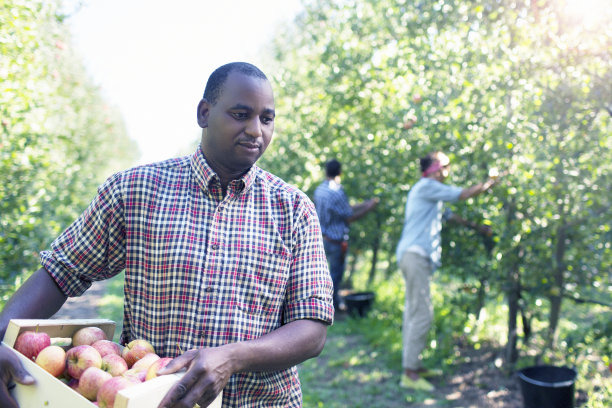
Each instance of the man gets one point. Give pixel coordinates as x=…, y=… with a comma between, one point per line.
x=418, y=254
x=335, y=214
x=221, y=259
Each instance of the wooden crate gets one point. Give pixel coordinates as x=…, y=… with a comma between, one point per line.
x=50, y=392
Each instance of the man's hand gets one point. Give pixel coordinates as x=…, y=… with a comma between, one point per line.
x=208, y=371
x=373, y=202
x=11, y=370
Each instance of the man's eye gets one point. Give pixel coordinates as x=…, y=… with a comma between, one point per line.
x=240, y=115
x=267, y=120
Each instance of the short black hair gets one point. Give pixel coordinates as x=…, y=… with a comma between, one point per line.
x=333, y=168
x=426, y=162
x=217, y=78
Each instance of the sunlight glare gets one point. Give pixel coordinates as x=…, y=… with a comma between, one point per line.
x=586, y=12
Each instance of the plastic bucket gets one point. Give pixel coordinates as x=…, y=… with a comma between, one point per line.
x=547, y=386
x=359, y=303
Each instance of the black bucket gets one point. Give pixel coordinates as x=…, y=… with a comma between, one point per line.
x=359, y=303
x=547, y=386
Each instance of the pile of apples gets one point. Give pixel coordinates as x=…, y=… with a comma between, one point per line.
x=94, y=366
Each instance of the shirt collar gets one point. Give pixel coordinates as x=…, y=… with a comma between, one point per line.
x=205, y=175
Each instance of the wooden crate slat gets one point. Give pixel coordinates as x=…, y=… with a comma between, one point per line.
x=55, y=328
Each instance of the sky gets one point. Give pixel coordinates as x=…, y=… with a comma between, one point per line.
x=151, y=58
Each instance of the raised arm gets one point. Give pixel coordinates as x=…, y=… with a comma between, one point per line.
x=361, y=209
x=478, y=188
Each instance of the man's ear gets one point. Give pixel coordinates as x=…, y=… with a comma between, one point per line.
x=203, y=109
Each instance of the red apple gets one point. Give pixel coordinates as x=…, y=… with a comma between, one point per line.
x=137, y=375
x=105, y=347
x=88, y=336
x=144, y=363
x=90, y=382
x=80, y=358
x=114, y=364
x=30, y=343
x=135, y=350
x=53, y=360
x=157, y=365
x=108, y=390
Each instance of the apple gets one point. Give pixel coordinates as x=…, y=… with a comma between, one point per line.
x=144, y=363
x=52, y=359
x=156, y=366
x=114, y=364
x=137, y=375
x=105, y=347
x=135, y=350
x=108, y=390
x=90, y=382
x=80, y=358
x=88, y=336
x=30, y=343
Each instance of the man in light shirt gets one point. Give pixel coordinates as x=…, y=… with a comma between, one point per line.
x=418, y=254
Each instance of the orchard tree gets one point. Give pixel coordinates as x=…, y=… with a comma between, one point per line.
x=57, y=135
x=513, y=85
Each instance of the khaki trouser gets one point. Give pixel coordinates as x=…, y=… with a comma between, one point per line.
x=418, y=311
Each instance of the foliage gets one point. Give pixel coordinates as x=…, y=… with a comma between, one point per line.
x=57, y=135
x=521, y=86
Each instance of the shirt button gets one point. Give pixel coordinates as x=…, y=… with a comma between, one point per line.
x=209, y=289
x=215, y=247
x=202, y=333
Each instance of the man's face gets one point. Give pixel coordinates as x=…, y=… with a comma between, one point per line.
x=239, y=126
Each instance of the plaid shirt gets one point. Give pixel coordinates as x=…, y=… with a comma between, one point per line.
x=333, y=209
x=202, y=270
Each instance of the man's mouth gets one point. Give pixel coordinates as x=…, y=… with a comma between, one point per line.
x=250, y=145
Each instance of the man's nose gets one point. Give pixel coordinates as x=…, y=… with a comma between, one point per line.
x=253, y=127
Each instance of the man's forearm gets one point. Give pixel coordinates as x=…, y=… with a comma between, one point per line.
x=285, y=347
x=38, y=298
x=361, y=209
x=476, y=189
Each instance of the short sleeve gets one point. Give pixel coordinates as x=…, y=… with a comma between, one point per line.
x=93, y=247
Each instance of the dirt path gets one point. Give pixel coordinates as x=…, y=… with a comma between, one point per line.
x=350, y=372
x=85, y=306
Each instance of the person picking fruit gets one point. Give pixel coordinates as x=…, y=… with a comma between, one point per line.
x=418, y=254
x=222, y=259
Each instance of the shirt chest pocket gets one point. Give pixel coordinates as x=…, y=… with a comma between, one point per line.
x=260, y=280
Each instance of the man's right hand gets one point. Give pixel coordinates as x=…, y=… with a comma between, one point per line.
x=11, y=371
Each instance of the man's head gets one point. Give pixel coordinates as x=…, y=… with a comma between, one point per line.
x=333, y=168
x=217, y=79
x=237, y=118
x=435, y=165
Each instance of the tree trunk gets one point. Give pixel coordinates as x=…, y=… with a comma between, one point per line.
x=374, y=261
x=514, y=295
x=375, y=250
x=556, y=293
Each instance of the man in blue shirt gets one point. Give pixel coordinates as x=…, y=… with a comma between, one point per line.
x=418, y=254
x=335, y=214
